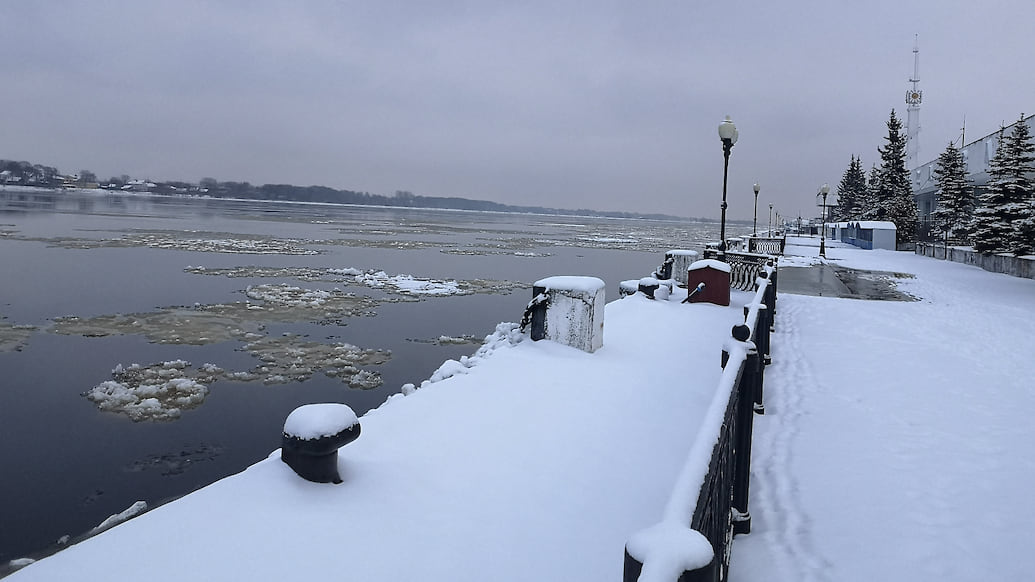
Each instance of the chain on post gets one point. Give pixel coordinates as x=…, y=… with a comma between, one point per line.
x=536, y=301
x=665, y=269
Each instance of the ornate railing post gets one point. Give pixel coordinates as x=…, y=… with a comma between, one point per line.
x=749, y=385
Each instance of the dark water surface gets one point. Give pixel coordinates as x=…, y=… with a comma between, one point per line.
x=68, y=466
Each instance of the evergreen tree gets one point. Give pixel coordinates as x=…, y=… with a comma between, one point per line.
x=870, y=209
x=1023, y=151
x=1002, y=219
x=955, y=195
x=894, y=192
x=851, y=193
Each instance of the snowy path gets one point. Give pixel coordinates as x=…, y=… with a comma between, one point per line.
x=776, y=503
x=896, y=440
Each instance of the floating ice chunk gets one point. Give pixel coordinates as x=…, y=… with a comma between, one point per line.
x=128, y=513
x=19, y=563
x=157, y=392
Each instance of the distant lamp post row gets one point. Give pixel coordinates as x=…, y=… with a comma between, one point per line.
x=754, y=222
x=823, y=191
x=770, y=219
x=728, y=134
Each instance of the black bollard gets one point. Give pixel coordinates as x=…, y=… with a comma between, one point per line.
x=647, y=286
x=315, y=458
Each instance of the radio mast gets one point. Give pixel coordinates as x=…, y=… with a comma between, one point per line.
x=913, y=98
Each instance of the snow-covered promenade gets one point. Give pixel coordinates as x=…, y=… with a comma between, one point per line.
x=895, y=445
x=897, y=440
x=529, y=461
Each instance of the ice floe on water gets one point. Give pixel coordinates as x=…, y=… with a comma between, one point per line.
x=290, y=358
x=174, y=462
x=14, y=337
x=129, y=513
x=371, y=278
x=162, y=391
x=196, y=241
x=154, y=392
x=445, y=340
x=207, y=324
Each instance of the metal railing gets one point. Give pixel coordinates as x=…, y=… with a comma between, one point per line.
x=712, y=502
x=744, y=267
x=767, y=245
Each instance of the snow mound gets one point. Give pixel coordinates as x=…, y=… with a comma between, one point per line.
x=506, y=334
x=668, y=549
x=126, y=514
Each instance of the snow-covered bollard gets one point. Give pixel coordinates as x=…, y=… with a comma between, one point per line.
x=567, y=310
x=628, y=287
x=680, y=261
x=648, y=286
x=312, y=436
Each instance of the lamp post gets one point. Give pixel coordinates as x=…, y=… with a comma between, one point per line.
x=823, y=191
x=728, y=134
x=770, y=219
x=754, y=222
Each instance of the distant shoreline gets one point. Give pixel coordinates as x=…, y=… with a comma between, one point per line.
x=516, y=210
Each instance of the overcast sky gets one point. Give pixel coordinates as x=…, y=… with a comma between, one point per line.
x=604, y=105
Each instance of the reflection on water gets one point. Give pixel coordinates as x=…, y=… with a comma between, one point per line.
x=102, y=280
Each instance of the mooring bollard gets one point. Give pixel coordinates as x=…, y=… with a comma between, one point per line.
x=312, y=436
x=681, y=261
x=648, y=286
x=567, y=310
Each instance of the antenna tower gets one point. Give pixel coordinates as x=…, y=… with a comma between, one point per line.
x=913, y=98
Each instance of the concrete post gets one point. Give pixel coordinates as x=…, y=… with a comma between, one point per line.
x=574, y=313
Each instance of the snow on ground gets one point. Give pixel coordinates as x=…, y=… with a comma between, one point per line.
x=895, y=445
x=526, y=461
x=897, y=437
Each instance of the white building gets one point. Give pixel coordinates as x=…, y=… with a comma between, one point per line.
x=865, y=234
x=976, y=156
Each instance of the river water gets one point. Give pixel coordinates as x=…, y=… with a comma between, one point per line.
x=92, y=282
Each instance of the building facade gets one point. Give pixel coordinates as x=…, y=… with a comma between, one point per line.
x=976, y=156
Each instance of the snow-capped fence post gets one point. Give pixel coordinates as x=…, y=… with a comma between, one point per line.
x=758, y=317
x=772, y=273
x=758, y=321
x=312, y=436
x=749, y=387
x=567, y=310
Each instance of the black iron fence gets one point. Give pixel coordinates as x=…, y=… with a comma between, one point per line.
x=744, y=267
x=766, y=245
x=720, y=505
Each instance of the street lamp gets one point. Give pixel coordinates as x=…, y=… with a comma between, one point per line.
x=728, y=134
x=770, y=219
x=823, y=191
x=754, y=223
